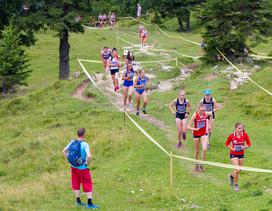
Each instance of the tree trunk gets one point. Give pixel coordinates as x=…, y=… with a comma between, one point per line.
x=188, y=24
x=64, y=68
x=180, y=24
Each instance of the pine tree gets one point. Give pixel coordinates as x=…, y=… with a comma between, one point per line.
x=14, y=68
x=234, y=26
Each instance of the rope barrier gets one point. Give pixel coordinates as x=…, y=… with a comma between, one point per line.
x=270, y=93
x=98, y=28
x=137, y=20
x=260, y=56
x=222, y=165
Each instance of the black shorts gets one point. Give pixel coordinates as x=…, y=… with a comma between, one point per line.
x=200, y=136
x=114, y=71
x=180, y=115
x=213, y=115
x=236, y=156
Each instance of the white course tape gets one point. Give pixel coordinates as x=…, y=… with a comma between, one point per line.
x=98, y=28
x=158, y=61
x=267, y=91
x=127, y=41
x=137, y=20
x=91, y=61
x=174, y=51
x=178, y=37
x=260, y=56
x=222, y=165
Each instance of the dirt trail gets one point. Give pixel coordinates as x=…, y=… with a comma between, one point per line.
x=78, y=93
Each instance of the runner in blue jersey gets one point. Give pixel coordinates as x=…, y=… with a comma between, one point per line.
x=140, y=84
x=128, y=85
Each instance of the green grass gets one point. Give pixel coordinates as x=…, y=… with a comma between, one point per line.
x=40, y=121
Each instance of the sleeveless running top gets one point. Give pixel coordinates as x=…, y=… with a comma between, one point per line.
x=106, y=55
x=129, y=74
x=181, y=107
x=208, y=105
x=200, y=122
x=142, y=81
x=112, y=17
x=141, y=28
x=114, y=63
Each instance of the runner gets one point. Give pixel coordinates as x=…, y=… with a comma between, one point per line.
x=211, y=107
x=112, y=19
x=144, y=35
x=114, y=64
x=140, y=29
x=200, y=133
x=104, y=18
x=100, y=19
x=128, y=85
x=105, y=55
x=237, y=150
x=182, y=111
x=140, y=84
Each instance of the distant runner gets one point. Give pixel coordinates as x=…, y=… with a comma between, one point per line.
x=112, y=19
x=128, y=85
x=181, y=111
x=211, y=107
x=114, y=65
x=140, y=84
x=105, y=56
x=144, y=35
x=140, y=29
x=100, y=19
x=104, y=18
x=200, y=133
x=236, y=143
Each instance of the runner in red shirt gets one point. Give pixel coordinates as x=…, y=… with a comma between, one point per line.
x=200, y=132
x=237, y=148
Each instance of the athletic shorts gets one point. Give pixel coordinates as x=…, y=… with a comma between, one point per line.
x=180, y=115
x=213, y=115
x=194, y=136
x=140, y=91
x=81, y=177
x=128, y=83
x=236, y=156
x=114, y=71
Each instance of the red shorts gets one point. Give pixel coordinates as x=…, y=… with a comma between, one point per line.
x=81, y=176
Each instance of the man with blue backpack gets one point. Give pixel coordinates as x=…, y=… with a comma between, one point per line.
x=78, y=155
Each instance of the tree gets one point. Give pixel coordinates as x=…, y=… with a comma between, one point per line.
x=234, y=26
x=178, y=8
x=14, y=68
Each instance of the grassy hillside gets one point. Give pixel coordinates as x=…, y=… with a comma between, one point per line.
x=129, y=172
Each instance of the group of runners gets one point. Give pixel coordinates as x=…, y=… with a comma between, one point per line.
x=133, y=80
x=201, y=125
x=104, y=19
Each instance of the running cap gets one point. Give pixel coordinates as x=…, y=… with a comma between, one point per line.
x=207, y=92
x=125, y=52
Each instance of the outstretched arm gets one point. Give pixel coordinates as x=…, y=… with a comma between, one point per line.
x=189, y=126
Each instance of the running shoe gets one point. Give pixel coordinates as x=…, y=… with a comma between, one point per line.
x=231, y=180
x=184, y=136
x=117, y=89
x=236, y=188
x=144, y=111
x=179, y=145
x=80, y=204
x=196, y=167
x=92, y=206
x=201, y=168
x=137, y=113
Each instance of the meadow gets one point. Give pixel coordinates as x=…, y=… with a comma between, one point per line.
x=129, y=172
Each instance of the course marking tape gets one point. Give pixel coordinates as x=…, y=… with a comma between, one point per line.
x=222, y=165
x=178, y=37
x=98, y=28
x=270, y=93
x=174, y=51
x=260, y=56
x=137, y=20
x=135, y=45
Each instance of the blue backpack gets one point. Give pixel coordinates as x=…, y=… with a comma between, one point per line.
x=74, y=154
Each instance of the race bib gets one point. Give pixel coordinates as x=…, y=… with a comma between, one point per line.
x=208, y=107
x=200, y=124
x=238, y=148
